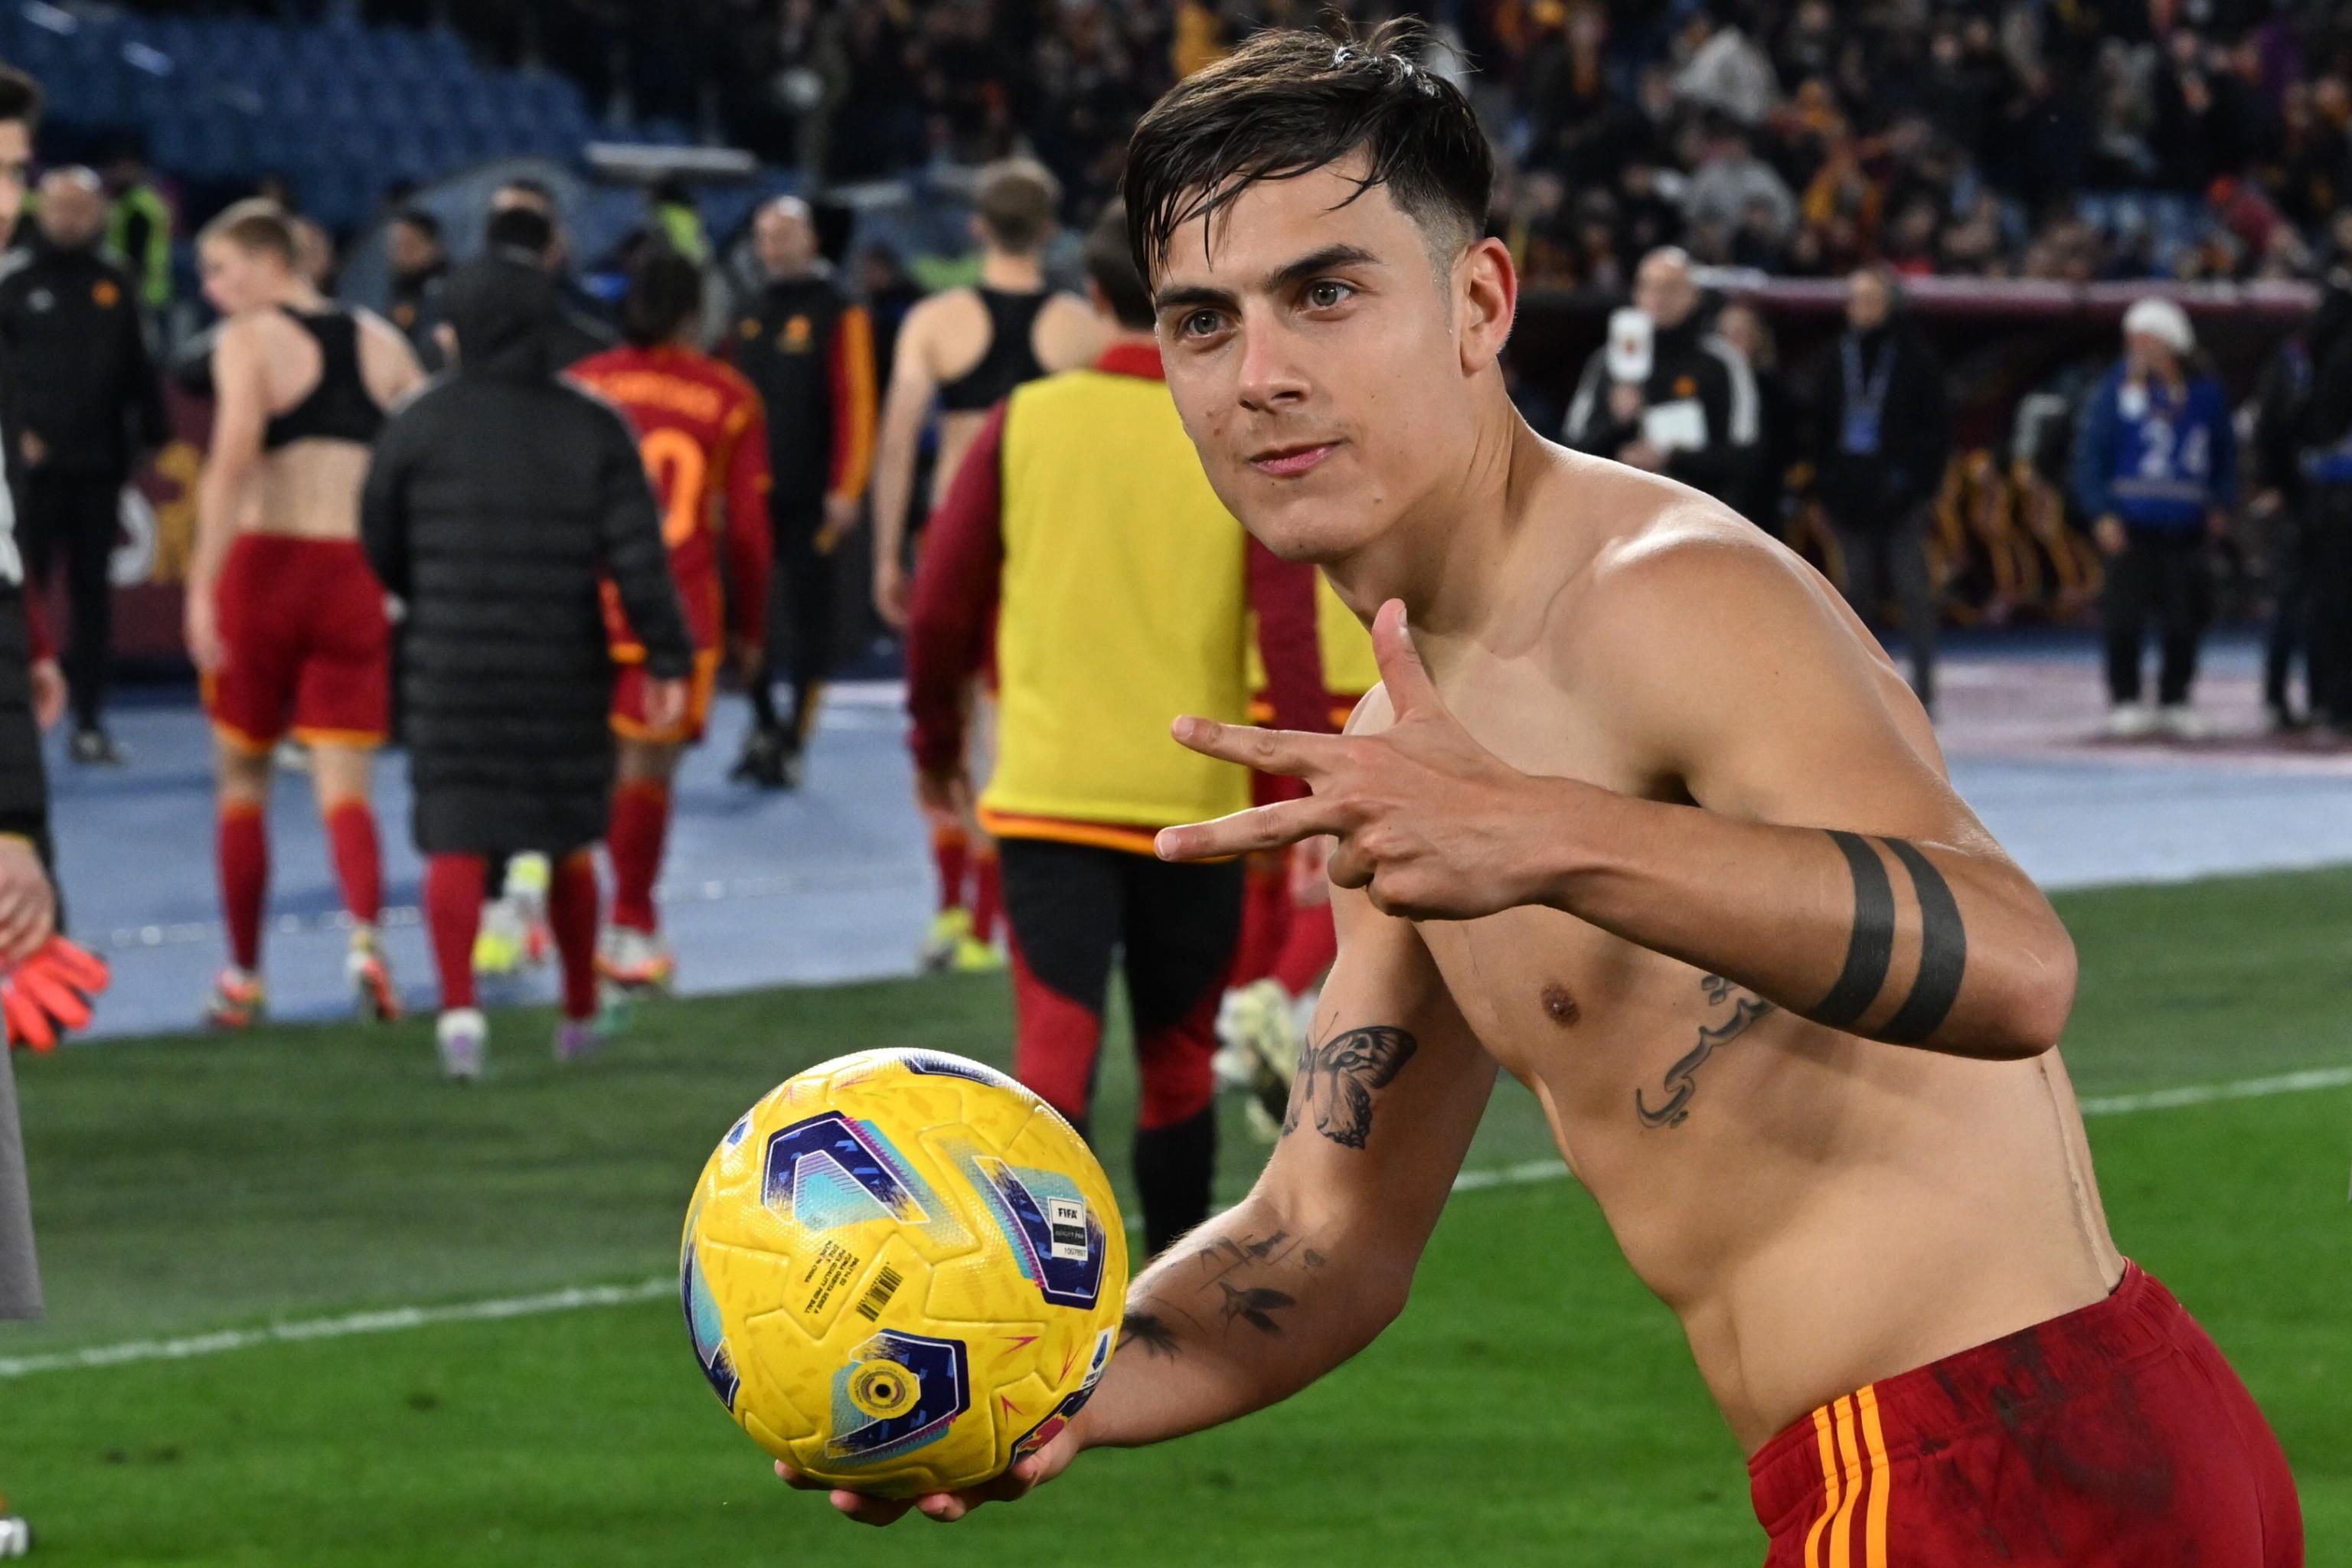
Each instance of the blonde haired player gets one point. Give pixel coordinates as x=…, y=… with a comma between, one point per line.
x=285, y=621
x=964, y=350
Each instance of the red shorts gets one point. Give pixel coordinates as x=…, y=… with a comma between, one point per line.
x=629, y=702
x=2113, y=1436
x=308, y=647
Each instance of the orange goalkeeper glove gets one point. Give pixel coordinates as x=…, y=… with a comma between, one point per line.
x=53, y=987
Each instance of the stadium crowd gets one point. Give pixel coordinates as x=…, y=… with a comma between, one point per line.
x=2101, y=139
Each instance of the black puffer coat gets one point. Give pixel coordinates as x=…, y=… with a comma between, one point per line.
x=498, y=501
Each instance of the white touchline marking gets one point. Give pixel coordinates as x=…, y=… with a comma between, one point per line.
x=388, y=1321
x=2303, y=1082
x=579, y=1298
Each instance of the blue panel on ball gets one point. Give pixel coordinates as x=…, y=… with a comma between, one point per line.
x=942, y=1391
x=831, y=1170
x=702, y=1322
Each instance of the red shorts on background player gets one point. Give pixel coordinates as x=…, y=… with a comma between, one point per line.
x=700, y=428
x=286, y=622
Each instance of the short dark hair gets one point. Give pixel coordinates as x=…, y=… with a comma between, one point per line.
x=422, y=221
x=1290, y=102
x=525, y=230
x=1017, y=201
x=665, y=294
x=20, y=97
x=256, y=223
x=1110, y=267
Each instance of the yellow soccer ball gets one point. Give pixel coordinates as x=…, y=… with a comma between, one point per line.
x=902, y=1271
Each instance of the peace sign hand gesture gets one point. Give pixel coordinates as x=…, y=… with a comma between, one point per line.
x=1428, y=821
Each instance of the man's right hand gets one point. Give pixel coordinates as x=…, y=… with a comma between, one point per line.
x=2107, y=533
x=28, y=905
x=948, y=1507
x=890, y=594
x=33, y=449
x=203, y=627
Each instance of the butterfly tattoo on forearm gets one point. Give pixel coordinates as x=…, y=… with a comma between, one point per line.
x=1337, y=1078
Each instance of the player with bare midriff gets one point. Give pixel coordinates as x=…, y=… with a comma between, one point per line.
x=966, y=350
x=1643, y=817
x=285, y=621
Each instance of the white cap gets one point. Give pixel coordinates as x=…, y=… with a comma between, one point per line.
x=2162, y=320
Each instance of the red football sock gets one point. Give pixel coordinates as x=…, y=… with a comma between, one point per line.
x=359, y=861
x=242, y=843
x=987, y=892
x=950, y=852
x=572, y=916
x=1265, y=920
x=453, y=914
x=1308, y=950
x=640, y=829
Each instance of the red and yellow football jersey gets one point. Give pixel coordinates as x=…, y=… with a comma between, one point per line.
x=701, y=431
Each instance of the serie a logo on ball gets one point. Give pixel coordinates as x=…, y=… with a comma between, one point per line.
x=902, y=1271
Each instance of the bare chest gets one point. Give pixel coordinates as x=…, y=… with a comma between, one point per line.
x=1619, y=1043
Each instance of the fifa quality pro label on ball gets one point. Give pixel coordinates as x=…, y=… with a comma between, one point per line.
x=1066, y=1224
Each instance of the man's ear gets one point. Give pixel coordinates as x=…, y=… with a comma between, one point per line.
x=1486, y=294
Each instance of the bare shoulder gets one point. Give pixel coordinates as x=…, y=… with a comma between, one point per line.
x=1069, y=334
x=945, y=311
x=1691, y=617
x=1675, y=566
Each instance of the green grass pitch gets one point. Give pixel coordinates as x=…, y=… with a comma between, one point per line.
x=1534, y=1406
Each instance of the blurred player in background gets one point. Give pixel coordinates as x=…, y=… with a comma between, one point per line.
x=1806, y=1071
x=2156, y=469
x=499, y=505
x=808, y=350
x=968, y=349
x=84, y=404
x=284, y=620
x=526, y=224
x=1115, y=589
x=698, y=427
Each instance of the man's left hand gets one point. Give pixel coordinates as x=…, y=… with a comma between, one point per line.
x=1641, y=455
x=840, y=518
x=1430, y=823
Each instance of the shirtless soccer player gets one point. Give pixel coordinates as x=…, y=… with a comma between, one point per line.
x=1642, y=817
x=967, y=349
x=285, y=621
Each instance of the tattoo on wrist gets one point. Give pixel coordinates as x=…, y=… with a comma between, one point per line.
x=1682, y=1078
x=1337, y=1078
x=1870, y=951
